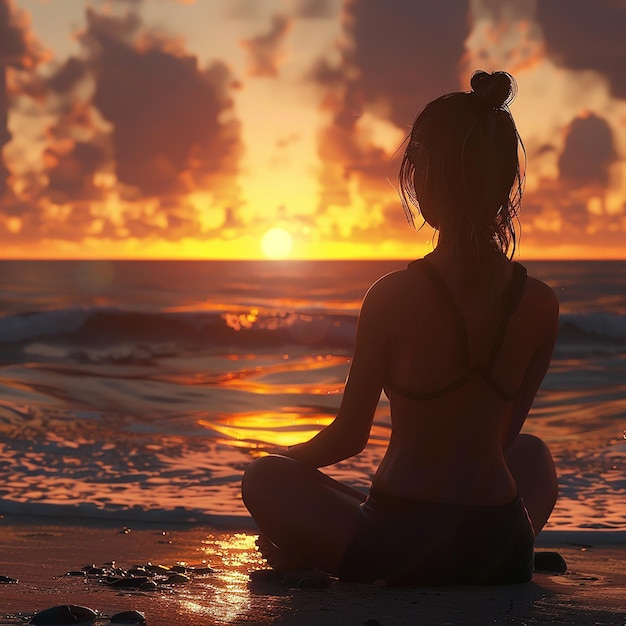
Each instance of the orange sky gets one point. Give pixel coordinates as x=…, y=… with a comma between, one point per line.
x=182, y=129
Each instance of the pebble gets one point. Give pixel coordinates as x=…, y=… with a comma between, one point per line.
x=266, y=576
x=128, y=617
x=146, y=577
x=201, y=570
x=64, y=614
x=550, y=563
x=177, y=578
x=298, y=579
x=7, y=580
x=130, y=582
x=157, y=569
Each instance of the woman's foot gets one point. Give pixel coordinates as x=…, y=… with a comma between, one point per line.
x=275, y=557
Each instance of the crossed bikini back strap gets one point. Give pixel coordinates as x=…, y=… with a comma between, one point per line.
x=510, y=301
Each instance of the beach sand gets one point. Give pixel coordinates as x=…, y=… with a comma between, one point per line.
x=39, y=554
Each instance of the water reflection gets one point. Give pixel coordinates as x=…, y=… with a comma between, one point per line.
x=227, y=598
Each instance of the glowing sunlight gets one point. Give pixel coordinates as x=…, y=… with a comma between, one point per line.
x=276, y=243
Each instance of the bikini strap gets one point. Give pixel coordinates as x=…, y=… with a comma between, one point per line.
x=510, y=301
x=444, y=293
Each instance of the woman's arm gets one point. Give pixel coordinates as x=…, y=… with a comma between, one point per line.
x=348, y=433
x=538, y=365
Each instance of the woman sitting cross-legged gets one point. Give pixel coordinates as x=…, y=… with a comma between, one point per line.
x=460, y=342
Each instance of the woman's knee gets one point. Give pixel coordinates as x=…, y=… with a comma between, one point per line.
x=532, y=467
x=262, y=475
x=530, y=461
x=527, y=447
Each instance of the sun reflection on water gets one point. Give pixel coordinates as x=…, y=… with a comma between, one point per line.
x=227, y=597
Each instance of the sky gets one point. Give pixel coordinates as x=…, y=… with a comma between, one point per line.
x=227, y=129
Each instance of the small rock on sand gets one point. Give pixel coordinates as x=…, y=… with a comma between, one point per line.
x=64, y=614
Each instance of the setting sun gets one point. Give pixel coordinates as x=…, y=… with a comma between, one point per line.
x=284, y=135
x=276, y=243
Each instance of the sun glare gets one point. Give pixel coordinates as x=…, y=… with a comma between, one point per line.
x=276, y=243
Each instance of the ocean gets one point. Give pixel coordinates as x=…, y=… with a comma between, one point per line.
x=139, y=391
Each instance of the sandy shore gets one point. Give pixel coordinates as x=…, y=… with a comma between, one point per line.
x=39, y=554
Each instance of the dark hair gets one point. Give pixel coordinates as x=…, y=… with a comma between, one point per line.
x=463, y=149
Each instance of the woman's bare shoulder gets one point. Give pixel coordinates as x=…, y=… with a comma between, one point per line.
x=389, y=285
x=540, y=306
x=541, y=295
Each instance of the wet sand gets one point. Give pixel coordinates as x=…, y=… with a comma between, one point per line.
x=39, y=554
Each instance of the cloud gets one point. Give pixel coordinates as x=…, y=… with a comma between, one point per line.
x=243, y=9
x=18, y=46
x=408, y=54
x=315, y=9
x=165, y=111
x=265, y=52
x=584, y=35
x=68, y=75
x=588, y=154
x=135, y=124
x=393, y=61
x=18, y=49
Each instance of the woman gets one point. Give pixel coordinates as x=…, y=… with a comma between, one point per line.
x=460, y=342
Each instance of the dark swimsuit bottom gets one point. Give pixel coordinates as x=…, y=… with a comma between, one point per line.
x=409, y=543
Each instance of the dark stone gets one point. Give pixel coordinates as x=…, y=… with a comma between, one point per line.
x=65, y=614
x=180, y=569
x=138, y=571
x=7, y=580
x=550, y=563
x=149, y=586
x=177, y=579
x=128, y=617
x=313, y=581
x=266, y=576
x=131, y=582
x=157, y=569
x=299, y=579
x=204, y=570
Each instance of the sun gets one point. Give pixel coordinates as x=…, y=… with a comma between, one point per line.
x=276, y=243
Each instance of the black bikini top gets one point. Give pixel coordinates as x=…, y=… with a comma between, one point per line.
x=510, y=301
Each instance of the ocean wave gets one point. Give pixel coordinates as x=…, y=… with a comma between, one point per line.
x=237, y=328
x=250, y=328
x=595, y=327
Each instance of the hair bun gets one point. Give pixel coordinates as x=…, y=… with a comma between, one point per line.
x=497, y=89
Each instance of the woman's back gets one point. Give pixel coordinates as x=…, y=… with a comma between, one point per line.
x=458, y=377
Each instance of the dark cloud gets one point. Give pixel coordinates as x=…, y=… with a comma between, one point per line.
x=155, y=126
x=18, y=47
x=170, y=118
x=71, y=174
x=265, y=52
x=315, y=9
x=587, y=35
x=589, y=152
x=395, y=60
x=5, y=135
x=66, y=77
x=408, y=53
